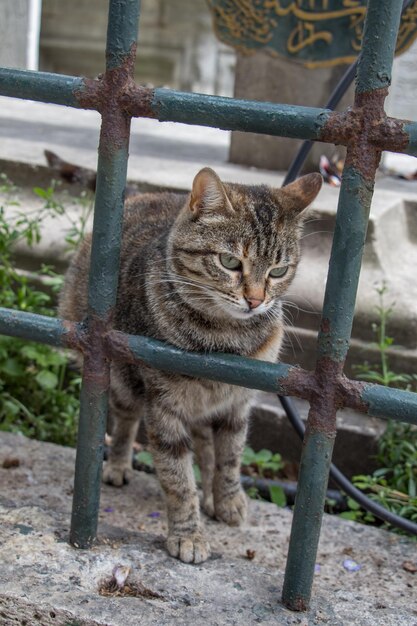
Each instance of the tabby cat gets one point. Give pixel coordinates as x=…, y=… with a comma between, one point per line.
x=204, y=273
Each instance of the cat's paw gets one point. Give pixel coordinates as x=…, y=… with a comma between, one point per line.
x=190, y=548
x=233, y=510
x=117, y=475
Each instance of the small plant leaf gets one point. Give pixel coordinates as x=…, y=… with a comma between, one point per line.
x=145, y=458
x=46, y=379
x=277, y=495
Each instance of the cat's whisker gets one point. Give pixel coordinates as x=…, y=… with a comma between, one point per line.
x=316, y=232
x=312, y=219
x=292, y=304
x=288, y=341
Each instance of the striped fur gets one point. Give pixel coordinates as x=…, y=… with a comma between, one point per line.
x=174, y=287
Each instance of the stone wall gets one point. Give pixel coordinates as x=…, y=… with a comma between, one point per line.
x=274, y=79
x=177, y=46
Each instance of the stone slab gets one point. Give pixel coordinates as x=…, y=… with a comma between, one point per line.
x=44, y=581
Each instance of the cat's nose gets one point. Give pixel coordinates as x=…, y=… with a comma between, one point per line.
x=253, y=302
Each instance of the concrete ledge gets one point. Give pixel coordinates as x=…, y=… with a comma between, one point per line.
x=43, y=581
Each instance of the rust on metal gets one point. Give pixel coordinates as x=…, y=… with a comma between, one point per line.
x=116, y=346
x=366, y=130
x=87, y=338
x=137, y=101
x=108, y=94
x=325, y=397
x=97, y=371
x=363, y=155
x=389, y=134
x=299, y=604
x=325, y=325
x=89, y=97
x=75, y=336
x=341, y=127
x=299, y=382
x=351, y=392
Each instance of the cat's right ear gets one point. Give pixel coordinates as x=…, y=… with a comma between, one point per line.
x=208, y=196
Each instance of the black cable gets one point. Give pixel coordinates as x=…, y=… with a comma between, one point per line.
x=287, y=404
x=335, y=97
x=344, y=483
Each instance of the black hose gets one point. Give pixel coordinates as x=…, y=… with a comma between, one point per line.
x=335, y=97
x=344, y=483
x=340, y=479
x=289, y=487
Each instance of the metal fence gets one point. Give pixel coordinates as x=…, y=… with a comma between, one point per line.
x=364, y=129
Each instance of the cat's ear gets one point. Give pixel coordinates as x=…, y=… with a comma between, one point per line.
x=298, y=195
x=208, y=196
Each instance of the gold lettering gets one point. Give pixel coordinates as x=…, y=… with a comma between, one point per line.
x=251, y=24
x=304, y=35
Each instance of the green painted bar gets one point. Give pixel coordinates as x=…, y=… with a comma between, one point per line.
x=31, y=327
x=391, y=403
x=103, y=279
x=411, y=129
x=383, y=402
x=345, y=265
x=89, y=459
x=374, y=72
x=378, y=44
x=308, y=513
x=40, y=86
x=188, y=108
x=108, y=215
x=122, y=30
x=284, y=120
x=227, y=368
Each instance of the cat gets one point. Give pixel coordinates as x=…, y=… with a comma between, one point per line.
x=203, y=272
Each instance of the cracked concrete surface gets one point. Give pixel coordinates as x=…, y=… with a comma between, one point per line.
x=44, y=581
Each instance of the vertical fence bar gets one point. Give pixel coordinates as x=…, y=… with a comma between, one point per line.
x=108, y=213
x=373, y=78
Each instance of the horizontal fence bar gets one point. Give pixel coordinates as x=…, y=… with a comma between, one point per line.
x=228, y=368
x=32, y=327
x=285, y=120
x=41, y=86
x=399, y=405
x=410, y=128
x=168, y=105
x=376, y=400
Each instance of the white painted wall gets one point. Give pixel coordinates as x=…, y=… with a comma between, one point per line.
x=402, y=103
x=19, y=33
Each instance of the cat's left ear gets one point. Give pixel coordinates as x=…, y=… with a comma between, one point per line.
x=298, y=195
x=208, y=196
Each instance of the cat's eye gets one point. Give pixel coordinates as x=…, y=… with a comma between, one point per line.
x=230, y=262
x=278, y=272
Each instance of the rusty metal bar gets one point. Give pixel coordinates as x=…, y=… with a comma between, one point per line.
x=375, y=400
x=283, y=120
x=103, y=277
x=41, y=86
x=373, y=76
x=365, y=129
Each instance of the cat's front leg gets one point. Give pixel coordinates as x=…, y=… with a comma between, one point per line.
x=171, y=447
x=204, y=453
x=230, y=501
x=125, y=413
